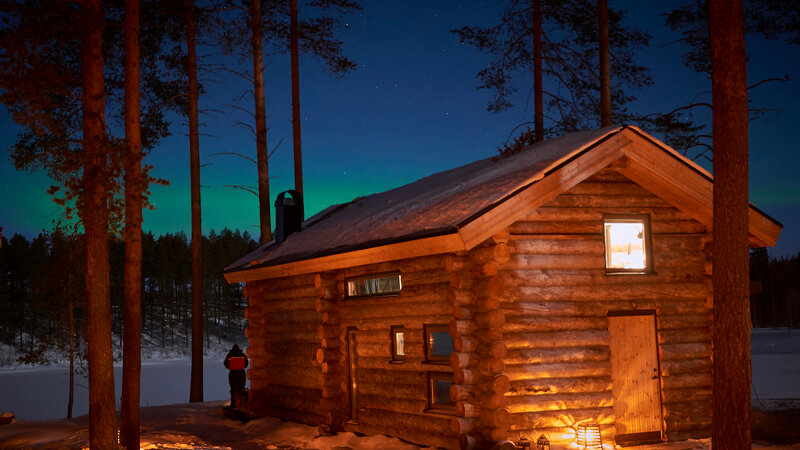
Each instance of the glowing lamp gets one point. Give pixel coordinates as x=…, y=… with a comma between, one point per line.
x=542, y=443
x=523, y=443
x=589, y=436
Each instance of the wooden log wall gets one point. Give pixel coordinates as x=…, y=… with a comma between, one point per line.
x=283, y=343
x=479, y=388
x=556, y=325
x=393, y=397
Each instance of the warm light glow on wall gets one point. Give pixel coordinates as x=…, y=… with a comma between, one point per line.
x=625, y=245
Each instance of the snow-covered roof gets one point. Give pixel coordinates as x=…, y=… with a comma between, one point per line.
x=434, y=205
x=441, y=211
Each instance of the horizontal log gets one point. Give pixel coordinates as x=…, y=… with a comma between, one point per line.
x=462, y=327
x=694, y=350
x=465, y=344
x=558, y=370
x=463, y=312
x=497, y=350
x=608, y=200
x=326, y=354
x=556, y=355
x=436, y=304
x=460, y=425
x=668, y=322
x=559, y=402
x=556, y=419
x=393, y=377
x=572, y=309
x=420, y=422
x=460, y=297
x=548, y=213
x=676, y=291
x=575, y=227
x=669, y=368
x=400, y=405
x=459, y=360
x=588, y=187
x=499, y=417
x=490, y=319
x=466, y=409
x=292, y=397
x=276, y=294
x=409, y=321
x=543, y=386
x=682, y=395
x=687, y=380
x=594, y=277
x=325, y=279
x=498, y=253
x=557, y=339
x=393, y=390
x=489, y=287
x=452, y=262
x=461, y=279
x=538, y=323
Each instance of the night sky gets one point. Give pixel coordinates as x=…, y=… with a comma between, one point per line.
x=411, y=109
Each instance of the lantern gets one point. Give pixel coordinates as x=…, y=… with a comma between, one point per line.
x=542, y=443
x=524, y=444
x=589, y=436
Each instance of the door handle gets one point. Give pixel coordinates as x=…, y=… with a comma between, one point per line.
x=655, y=374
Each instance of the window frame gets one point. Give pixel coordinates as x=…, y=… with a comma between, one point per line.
x=647, y=241
x=427, y=330
x=397, y=358
x=373, y=276
x=439, y=407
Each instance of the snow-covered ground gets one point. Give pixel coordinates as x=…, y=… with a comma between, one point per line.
x=41, y=393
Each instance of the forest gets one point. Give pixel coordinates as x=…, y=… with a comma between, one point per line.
x=42, y=281
x=43, y=278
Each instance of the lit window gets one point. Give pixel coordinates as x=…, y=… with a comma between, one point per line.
x=388, y=284
x=627, y=243
x=438, y=344
x=398, y=344
x=439, y=392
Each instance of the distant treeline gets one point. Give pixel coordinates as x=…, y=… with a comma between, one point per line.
x=42, y=280
x=775, y=290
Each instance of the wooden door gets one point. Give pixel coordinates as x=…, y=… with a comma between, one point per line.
x=352, y=358
x=635, y=376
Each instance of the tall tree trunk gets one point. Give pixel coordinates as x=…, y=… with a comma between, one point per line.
x=605, y=66
x=731, y=327
x=132, y=338
x=71, y=320
x=196, y=388
x=261, y=122
x=538, y=105
x=295, y=51
x=102, y=411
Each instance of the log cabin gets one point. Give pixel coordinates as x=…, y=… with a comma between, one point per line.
x=530, y=294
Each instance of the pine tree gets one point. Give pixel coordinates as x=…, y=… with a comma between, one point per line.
x=570, y=52
x=731, y=319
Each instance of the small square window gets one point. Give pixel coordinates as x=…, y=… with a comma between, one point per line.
x=398, y=344
x=438, y=344
x=627, y=244
x=386, y=284
x=439, y=392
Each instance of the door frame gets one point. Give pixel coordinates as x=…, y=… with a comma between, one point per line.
x=352, y=373
x=649, y=436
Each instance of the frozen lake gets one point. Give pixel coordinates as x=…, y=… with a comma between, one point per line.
x=41, y=393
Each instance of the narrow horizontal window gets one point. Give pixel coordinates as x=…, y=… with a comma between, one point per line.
x=438, y=343
x=398, y=344
x=386, y=284
x=439, y=392
x=627, y=243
